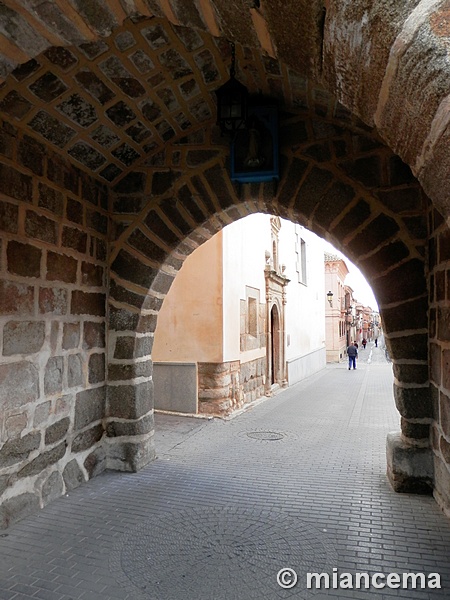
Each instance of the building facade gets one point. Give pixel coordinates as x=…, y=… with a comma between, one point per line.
x=241, y=319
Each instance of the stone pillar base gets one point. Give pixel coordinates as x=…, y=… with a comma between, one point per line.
x=409, y=468
x=130, y=455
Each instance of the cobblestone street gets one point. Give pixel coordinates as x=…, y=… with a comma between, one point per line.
x=296, y=481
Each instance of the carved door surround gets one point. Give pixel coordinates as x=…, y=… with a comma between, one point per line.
x=275, y=329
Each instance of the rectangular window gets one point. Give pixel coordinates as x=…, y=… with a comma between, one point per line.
x=252, y=317
x=303, y=275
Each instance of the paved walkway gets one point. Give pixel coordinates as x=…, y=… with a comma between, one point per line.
x=297, y=481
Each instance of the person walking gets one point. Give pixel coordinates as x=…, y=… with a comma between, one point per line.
x=352, y=353
x=364, y=342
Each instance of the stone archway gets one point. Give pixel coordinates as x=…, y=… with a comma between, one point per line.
x=88, y=201
x=340, y=182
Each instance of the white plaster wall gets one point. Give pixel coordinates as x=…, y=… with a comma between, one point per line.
x=244, y=245
x=305, y=308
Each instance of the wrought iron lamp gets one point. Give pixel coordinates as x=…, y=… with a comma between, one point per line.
x=232, y=101
x=330, y=298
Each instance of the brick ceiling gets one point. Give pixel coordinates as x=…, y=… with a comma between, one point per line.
x=110, y=81
x=110, y=104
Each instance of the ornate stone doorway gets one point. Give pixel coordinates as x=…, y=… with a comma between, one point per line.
x=275, y=324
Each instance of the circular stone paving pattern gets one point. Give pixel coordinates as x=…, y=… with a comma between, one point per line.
x=219, y=553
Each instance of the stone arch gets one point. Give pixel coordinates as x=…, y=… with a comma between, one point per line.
x=341, y=183
x=338, y=179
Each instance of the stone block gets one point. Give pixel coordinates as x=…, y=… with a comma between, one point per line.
x=413, y=403
x=443, y=324
x=417, y=431
x=88, y=303
x=123, y=428
x=87, y=439
x=74, y=211
x=15, y=105
x=444, y=246
x=4, y=479
x=73, y=475
x=61, y=267
x=442, y=485
x=117, y=372
x=23, y=259
x=436, y=356
x=9, y=215
x=16, y=298
x=146, y=246
x=17, y=450
x=23, y=337
x=41, y=228
x=75, y=239
x=71, y=335
x=42, y=413
x=56, y=432
x=162, y=282
x=17, y=508
x=50, y=199
x=15, y=424
x=30, y=154
x=129, y=456
x=52, y=488
x=44, y=460
x=352, y=220
x=405, y=282
x=386, y=257
x=89, y=407
x=53, y=377
x=444, y=447
x=19, y=384
x=96, y=369
x=48, y=87
x=95, y=463
x=444, y=413
x=411, y=373
x=53, y=301
x=411, y=347
x=93, y=335
x=121, y=319
x=377, y=232
x=130, y=401
x=75, y=374
x=409, y=468
x=129, y=268
x=15, y=184
x=91, y=274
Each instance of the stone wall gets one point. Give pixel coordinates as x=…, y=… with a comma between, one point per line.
x=226, y=387
x=439, y=340
x=53, y=255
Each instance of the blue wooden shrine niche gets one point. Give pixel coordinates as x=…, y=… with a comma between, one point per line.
x=254, y=150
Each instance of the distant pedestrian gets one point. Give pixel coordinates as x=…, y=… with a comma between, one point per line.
x=352, y=353
x=376, y=342
x=364, y=342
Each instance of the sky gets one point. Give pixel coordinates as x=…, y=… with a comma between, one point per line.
x=356, y=280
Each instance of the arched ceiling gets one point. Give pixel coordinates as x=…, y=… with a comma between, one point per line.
x=109, y=82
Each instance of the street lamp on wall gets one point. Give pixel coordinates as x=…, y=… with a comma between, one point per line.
x=330, y=298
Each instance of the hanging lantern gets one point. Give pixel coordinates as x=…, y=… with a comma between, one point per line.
x=232, y=101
